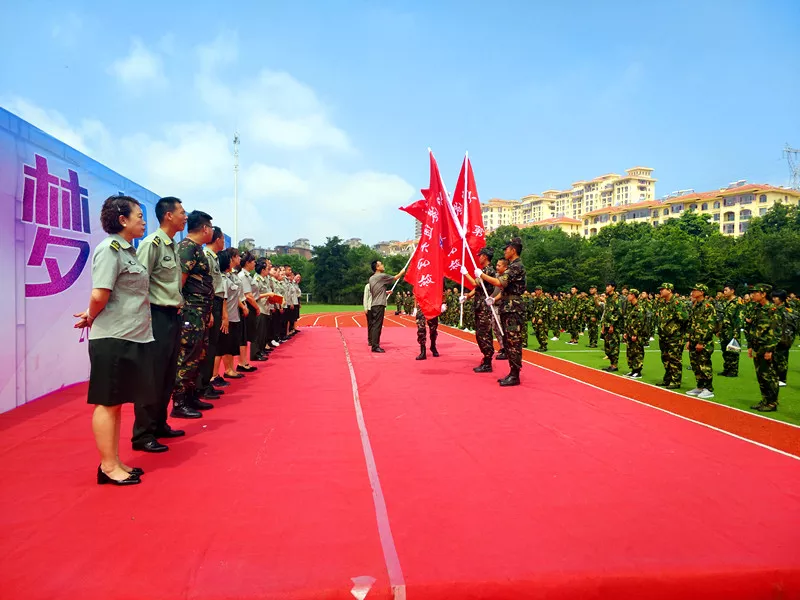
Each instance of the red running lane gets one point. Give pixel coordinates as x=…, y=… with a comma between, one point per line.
x=556, y=489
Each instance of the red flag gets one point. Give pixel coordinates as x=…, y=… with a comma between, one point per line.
x=425, y=269
x=476, y=235
x=417, y=209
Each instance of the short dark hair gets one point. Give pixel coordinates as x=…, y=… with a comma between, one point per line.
x=731, y=286
x=374, y=265
x=217, y=234
x=165, y=205
x=233, y=251
x=612, y=284
x=197, y=220
x=224, y=258
x=779, y=294
x=113, y=208
x=261, y=264
x=248, y=257
x=502, y=260
x=516, y=244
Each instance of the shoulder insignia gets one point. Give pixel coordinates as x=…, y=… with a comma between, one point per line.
x=115, y=245
x=156, y=241
x=788, y=309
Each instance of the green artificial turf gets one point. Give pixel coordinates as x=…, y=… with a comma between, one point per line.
x=739, y=392
x=308, y=309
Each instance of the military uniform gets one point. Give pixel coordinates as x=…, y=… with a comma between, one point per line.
x=158, y=255
x=672, y=318
x=217, y=308
x=540, y=316
x=702, y=324
x=765, y=334
x=594, y=312
x=513, y=282
x=484, y=321
x=433, y=325
x=635, y=329
x=789, y=323
x=611, y=321
x=198, y=295
x=730, y=329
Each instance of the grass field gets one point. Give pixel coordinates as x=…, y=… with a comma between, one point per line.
x=309, y=309
x=740, y=392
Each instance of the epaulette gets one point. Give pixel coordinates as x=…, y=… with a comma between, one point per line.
x=156, y=241
x=788, y=309
x=115, y=245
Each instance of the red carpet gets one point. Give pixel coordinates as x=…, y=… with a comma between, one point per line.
x=554, y=489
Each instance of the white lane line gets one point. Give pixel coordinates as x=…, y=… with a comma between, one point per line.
x=390, y=557
x=393, y=321
x=336, y=321
x=356, y=322
x=317, y=319
x=738, y=437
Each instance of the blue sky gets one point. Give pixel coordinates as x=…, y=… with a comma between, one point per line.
x=337, y=102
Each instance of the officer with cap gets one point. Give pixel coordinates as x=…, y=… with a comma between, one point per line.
x=702, y=325
x=671, y=317
x=157, y=252
x=765, y=333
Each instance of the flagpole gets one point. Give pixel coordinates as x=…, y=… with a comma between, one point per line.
x=408, y=262
x=463, y=242
x=463, y=235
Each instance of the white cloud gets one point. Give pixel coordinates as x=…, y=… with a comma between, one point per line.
x=263, y=181
x=141, y=67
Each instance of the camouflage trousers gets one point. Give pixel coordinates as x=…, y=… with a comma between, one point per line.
x=194, y=341
x=781, y=359
x=540, y=329
x=634, y=353
x=593, y=332
x=767, y=378
x=575, y=328
x=671, y=358
x=525, y=332
x=433, y=325
x=701, y=365
x=554, y=325
x=484, y=326
x=611, y=345
x=730, y=360
x=513, y=325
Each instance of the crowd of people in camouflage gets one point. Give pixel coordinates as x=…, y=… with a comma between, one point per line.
x=166, y=316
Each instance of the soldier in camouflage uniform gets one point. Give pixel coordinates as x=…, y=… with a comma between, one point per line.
x=730, y=317
x=765, y=334
x=555, y=317
x=611, y=322
x=513, y=284
x=482, y=312
x=702, y=325
x=594, y=311
x=198, y=296
x=527, y=302
x=433, y=326
x=672, y=318
x=540, y=311
x=635, y=327
x=789, y=324
x=574, y=316
x=408, y=301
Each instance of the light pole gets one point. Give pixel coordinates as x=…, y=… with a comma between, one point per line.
x=235, y=241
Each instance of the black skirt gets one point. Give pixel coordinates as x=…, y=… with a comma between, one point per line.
x=121, y=371
x=228, y=343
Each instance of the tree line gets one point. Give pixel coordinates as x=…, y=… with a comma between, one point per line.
x=684, y=251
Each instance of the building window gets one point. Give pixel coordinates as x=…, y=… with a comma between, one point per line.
x=731, y=201
x=614, y=218
x=729, y=216
x=676, y=208
x=716, y=217
x=704, y=206
x=585, y=232
x=748, y=199
x=666, y=212
x=745, y=215
x=716, y=204
x=693, y=207
x=585, y=222
x=762, y=212
x=655, y=223
x=727, y=228
x=762, y=198
x=743, y=227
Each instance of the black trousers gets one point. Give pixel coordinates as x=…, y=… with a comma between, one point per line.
x=369, y=326
x=207, y=366
x=150, y=410
x=376, y=326
x=258, y=345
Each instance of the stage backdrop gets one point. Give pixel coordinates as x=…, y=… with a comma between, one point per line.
x=50, y=198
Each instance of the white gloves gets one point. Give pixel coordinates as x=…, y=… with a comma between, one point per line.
x=462, y=299
x=489, y=301
x=464, y=270
x=478, y=273
x=444, y=307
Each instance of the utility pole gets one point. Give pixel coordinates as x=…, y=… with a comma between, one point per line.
x=793, y=158
x=235, y=241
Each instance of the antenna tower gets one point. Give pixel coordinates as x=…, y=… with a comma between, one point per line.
x=793, y=158
x=235, y=241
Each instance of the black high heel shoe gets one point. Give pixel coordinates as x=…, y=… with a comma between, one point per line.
x=102, y=478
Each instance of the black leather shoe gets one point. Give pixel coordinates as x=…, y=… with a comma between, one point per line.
x=483, y=368
x=138, y=471
x=378, y=349
x=501, y=356
x=200, y=405
x=260, y=358
x=215, y=395
x=219, y=382
x=434, y=352
x=150, y=446
x=182, y=411
x=247, y=369
x=509, y=381
x=169, y=432
x=102, y=479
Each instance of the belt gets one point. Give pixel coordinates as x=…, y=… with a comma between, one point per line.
x=167, y=309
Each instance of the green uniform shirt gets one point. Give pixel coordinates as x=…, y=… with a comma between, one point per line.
x=702, y=323
x=216, y=274
x=126, y=316
x=157, y=253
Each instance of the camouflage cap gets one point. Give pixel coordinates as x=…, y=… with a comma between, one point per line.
x=538, y=287
x=633, y=291
x=487, y=252
x=666, y=286
x=701, y=287
x=592, y=286
x=761, y=287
